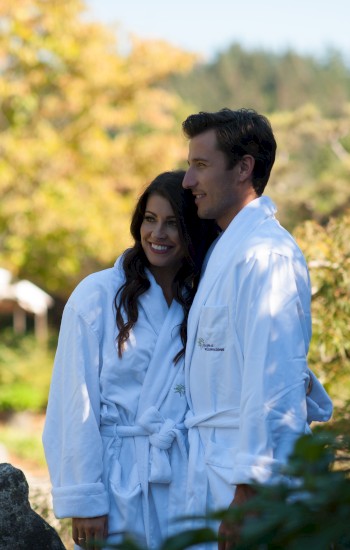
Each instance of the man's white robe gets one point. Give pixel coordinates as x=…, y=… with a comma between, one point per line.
x=246, y=369
x=114, y=436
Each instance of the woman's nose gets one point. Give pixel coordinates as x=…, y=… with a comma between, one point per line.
x=159, y=231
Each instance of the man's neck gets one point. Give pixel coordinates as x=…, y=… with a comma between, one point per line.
x=224, y=222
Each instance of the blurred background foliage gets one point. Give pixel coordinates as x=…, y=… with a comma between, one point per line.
x=87, y=120
x=25, y=372
x=82, y=128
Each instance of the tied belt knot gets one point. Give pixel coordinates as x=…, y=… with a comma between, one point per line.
x=161, y=435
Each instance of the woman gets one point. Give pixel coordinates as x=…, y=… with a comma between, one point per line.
x=114, y=437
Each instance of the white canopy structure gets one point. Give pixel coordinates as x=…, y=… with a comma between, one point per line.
x=23, y=297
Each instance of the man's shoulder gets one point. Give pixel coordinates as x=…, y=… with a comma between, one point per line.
x=271, y=245
x=271, y=237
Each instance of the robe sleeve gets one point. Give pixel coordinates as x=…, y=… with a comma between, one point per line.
x=71, y=437
x=272, y=321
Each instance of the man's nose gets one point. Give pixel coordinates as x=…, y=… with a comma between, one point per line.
x=189, y=180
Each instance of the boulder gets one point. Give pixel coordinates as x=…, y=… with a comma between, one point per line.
x=21, y=528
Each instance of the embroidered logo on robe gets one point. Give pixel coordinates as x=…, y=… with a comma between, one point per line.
x=180, y=389
x=207, y=346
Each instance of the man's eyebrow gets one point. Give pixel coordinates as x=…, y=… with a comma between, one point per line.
x=198, y=159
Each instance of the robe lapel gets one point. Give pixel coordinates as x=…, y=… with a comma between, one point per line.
x=162, y=371
x=154, y=305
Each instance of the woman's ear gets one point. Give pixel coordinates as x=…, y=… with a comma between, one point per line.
x=247, y=164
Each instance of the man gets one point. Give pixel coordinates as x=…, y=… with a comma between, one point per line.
x=249, y=328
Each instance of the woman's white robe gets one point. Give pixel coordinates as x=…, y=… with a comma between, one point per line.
x=246, y=369
x=114, y=437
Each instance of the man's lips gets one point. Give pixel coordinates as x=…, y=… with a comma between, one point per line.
x=198, y=196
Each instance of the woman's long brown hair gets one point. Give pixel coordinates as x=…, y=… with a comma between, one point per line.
x=196, y=236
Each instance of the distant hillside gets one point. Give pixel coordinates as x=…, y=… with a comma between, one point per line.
x=267, y=81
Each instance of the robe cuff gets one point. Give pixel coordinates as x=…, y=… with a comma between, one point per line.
x=259, y=469
x=319, y=405
x=82, y=501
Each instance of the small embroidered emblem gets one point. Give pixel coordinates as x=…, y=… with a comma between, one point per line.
x=201, y=342
x=180, y=389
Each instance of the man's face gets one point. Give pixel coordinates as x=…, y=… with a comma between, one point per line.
x=216, y=189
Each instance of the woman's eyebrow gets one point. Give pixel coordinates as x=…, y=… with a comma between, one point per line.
x=172, y=217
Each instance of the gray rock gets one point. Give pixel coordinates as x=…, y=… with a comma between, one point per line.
x=21, y=528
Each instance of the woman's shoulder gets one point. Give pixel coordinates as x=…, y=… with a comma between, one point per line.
x=97, y=288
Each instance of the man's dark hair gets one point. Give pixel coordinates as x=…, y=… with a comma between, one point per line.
x=239, y=133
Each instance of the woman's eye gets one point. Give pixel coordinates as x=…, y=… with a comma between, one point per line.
x=149, y=219
x=172, y=223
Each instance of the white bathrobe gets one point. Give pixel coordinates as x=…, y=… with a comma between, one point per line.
x=114, y=437
x=246, y=369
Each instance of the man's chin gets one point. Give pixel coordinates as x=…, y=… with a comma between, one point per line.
x=203, y=214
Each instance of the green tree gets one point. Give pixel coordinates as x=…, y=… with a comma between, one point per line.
x=309, y=180
x=267, y=81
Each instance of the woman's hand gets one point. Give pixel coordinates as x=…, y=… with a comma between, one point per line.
x=85, y=531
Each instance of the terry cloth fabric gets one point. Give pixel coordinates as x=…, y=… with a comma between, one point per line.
x=114, y=437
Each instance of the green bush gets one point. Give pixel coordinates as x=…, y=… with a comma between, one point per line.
x=25, y=372
x=312, y=514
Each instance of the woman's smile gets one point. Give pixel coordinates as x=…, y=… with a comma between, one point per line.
x=160, y=237
x=160, y=248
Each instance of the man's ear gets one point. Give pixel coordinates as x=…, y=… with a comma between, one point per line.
x=247, y=164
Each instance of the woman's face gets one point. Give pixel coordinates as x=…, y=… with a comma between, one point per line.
x=160, y=237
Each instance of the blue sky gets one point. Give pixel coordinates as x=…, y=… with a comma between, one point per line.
x=209, y=26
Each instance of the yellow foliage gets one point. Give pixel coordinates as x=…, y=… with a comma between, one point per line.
x=327, y=250
x=83, y=127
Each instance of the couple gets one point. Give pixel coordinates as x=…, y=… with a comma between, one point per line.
x=138, y=433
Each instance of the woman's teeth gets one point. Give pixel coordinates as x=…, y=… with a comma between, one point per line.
x=160, y=247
